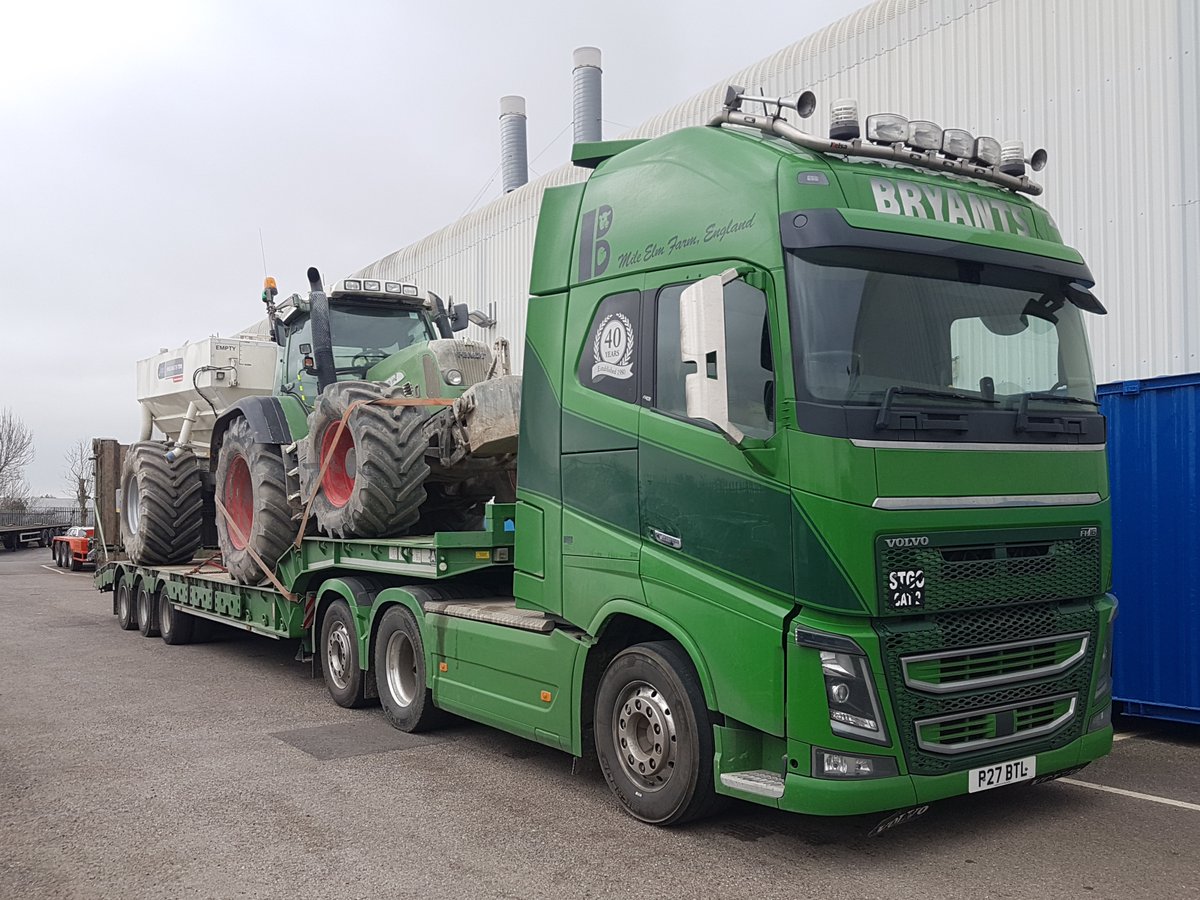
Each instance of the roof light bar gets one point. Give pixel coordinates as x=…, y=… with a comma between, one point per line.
x=890, y=137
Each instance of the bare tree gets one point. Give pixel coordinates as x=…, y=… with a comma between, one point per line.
x=16, y=452
x=15, y=496
x=79, y=476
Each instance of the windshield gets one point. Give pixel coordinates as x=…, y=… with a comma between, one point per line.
x=373, y=333
x=881, y=328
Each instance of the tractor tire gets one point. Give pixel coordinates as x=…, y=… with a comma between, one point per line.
x=374, y=484
x=252, y=486
x=162, y=508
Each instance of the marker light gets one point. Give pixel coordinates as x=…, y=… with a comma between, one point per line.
x=352, y=284
x=269, y=284
x=957, y=144
x=986, y=152
x=886, y=128
x=370, y=285
x=924, y=135
x=843, y=120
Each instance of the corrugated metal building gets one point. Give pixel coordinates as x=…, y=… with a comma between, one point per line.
x=1112, y=89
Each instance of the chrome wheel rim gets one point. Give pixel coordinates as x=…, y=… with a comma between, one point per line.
x=123, y=603
x=401, y=667
x=143, y=607
x=164, y=617
x=338, y=655
x=643, y=731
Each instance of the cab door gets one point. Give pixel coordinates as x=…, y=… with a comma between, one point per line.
x=602, y=381
x=716, y=518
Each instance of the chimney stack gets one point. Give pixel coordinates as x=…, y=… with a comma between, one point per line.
x=587, y=95
x=514, y=151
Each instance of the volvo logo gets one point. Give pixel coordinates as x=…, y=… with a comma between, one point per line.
x=922, y=541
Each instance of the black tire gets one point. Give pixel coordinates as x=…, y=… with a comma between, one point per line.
x=252, y=486
x=54, y=550
x=400, y=676
x=57, y=551
x=162, y=505
x=651, y=719
x=126, y=614
x=174, y=626
x=146, y=607
x=339, y=657
x=73, y=562
x=375, y=485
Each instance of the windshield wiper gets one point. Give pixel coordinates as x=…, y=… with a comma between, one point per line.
x=1023, y=424
x=881, y=421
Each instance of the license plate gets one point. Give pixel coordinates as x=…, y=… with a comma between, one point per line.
x=988, y=777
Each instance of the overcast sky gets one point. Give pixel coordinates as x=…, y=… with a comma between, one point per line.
x=144, y=143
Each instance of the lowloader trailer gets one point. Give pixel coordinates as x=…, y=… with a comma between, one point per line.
x=811, y=500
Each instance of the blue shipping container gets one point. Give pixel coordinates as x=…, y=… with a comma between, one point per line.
x=1153, y=432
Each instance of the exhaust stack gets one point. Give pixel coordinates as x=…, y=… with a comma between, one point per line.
x=586, y=95
x=514, y=152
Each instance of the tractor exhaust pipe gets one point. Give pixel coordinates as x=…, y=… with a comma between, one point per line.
x=322, y=338
x=441, y=318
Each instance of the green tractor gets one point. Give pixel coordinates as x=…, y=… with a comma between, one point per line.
x=380, y=423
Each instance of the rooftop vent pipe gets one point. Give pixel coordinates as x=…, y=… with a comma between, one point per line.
x=587, y=94
x=514, y=152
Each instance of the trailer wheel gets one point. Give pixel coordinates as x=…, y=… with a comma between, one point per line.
x=126, y=616
x=654, y=735
x=146, y=605
x=400, y=674
x=162, y=510
x=73, y=562
x=339, y=657
x=252, y=486
x=374, y=483
x=174, y=626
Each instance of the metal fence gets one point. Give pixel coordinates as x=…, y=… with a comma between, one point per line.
x=52, y=515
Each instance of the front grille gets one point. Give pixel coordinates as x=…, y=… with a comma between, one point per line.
x=471, y=358
x=961, y=571
x=938, y=634
x=990, y=666
x=983, y=729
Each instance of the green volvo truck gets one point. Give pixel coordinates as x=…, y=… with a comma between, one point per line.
x=811, y=502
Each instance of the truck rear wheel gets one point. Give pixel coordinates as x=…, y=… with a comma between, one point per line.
x=654, y=735
x=252, y=486
x=126, y=616
x=162, y=508
x=339, y=657
x=400, y=676
x=374, y=484
x=147, y=611
x=174, y=626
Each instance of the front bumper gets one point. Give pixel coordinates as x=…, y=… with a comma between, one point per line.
x=846, y=797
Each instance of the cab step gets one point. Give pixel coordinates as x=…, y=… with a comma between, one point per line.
x=755, y=781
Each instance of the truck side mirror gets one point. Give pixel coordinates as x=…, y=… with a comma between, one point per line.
x=459, y=317
x=702, y=343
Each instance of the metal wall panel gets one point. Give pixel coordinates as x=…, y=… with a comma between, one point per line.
x=1154, y=426
x=1110, y=87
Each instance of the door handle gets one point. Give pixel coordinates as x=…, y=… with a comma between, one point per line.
x=667, y=540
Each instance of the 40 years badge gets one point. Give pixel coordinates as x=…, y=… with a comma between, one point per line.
x=612, y=348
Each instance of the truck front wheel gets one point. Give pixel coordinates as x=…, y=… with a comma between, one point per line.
x=654, y=735
x=400, y=673
x=339, y=657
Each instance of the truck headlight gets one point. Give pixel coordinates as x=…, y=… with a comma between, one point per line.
x=850, y=693
x=453, y=376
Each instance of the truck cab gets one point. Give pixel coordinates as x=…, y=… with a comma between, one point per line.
x=830, y=426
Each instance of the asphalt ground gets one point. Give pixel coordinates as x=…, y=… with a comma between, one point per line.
x=132, y=769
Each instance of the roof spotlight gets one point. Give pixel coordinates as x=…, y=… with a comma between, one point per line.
x=986, y=152
x=924, y=135
x=886, y=128
x=957, y=144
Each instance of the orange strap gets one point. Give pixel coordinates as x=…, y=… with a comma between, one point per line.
x=337, y=435
x=250, y=549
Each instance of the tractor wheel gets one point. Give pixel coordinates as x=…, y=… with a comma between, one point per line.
x=162, y=508
x=252, y=487
x=374, y=484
